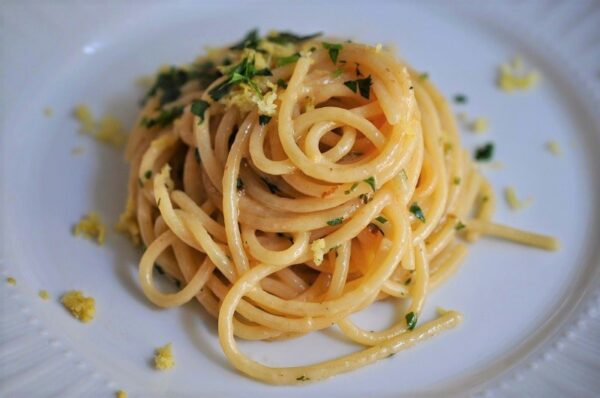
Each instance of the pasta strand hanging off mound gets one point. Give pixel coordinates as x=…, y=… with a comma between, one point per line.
x=289, y=182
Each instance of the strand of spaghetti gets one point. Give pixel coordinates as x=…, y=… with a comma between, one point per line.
x=513, y=234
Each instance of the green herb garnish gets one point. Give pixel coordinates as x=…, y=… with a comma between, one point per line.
x=411, y=320
x=243, y=72
x=337, y=72
x=460, y=99
x=198, y=108
x=381, y=219
x=287, y=60
x=264, y=119
x=456, y=180
x=363, y=86
x=416, y=210
x=334, y=50
x=164, y=118
x=335, y=221
x=289, y=37
x=424, y=76
x=148, y=174
x=352, y=188
x=302, y=378
x=371, y=182
x=484, y=153
x=169, y=84
x=459, y=225
x=251, y=40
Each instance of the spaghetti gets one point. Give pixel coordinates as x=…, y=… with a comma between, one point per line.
x=290, y=182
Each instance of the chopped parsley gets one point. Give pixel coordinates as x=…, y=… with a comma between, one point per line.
x=416, y=210
x=240, y=184
x=337, y=72
x=164, y=118
x=484, y=153
x=264, y=119
x=281, y=61
x=459, y=225
x=169, y=84
x=198, y=108
x=148, y=174
x=335, y=221
x=243, y=72
x=197, y=155
x=363, y=86
x=371, y=182
x=460, y=99
x=352, y=188
x=289, y=37
x=281, y=83
x=411, y=320
x=272, y=187
x=334, y=50
x=381, y=219
x=251, y=40
x=424, y=76
x=456, y=180
x=302, y=378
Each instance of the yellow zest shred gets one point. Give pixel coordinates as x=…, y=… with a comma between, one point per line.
x=11, y=281
x=107, y=130
x=554, y=148
x=91, y=227
x=480, y=125
x=121, y=394
x=44, y=295
x=163, y=357
x=318, y=250
x=513, y=201
x=512, y=76
x=81, y=307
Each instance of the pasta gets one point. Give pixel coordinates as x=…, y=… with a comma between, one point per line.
x=289, y=182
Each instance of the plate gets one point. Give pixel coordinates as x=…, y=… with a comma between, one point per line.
x=532, y=323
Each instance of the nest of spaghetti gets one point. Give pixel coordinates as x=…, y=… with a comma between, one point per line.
x=290, y=181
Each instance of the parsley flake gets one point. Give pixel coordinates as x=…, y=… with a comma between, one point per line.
x=484, y=153
x=459, y=225
x=289, y=37
x=371, y=182
x=363, y=86
x=251, y=40
x=281, y=61
x=334, y=50
x=281, y=83
x=460, y=99
x=411, y=320
x=352, y=188
x=264, y=119
x=164, y=118
x=381, y=219
x=335, y=221
x=198, y=108
x=148, y=174
x=416, y=210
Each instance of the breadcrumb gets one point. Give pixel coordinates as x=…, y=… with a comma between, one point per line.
x=91, y=228
x=44, y=295
x=512, y=200
x=554, y=148
x=81, y=307
x=163, y=357
x=107, y=130
x=512, y=76
x=318, y=250
x=11, y=281
x=479, y=125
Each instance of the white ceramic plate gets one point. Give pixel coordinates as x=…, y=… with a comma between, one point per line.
x=531, y=317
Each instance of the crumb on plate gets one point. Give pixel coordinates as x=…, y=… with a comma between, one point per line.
x=81, y=307
x=107, y=130
x=44, y=295
x=121, y=394
x=48, y=112
x=91, y=228
x=512, y=76
x=554, y=148
x=512, y=200
x=163, y=357
x=11, y=281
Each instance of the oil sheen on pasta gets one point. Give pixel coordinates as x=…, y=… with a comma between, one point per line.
x=290, y=181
